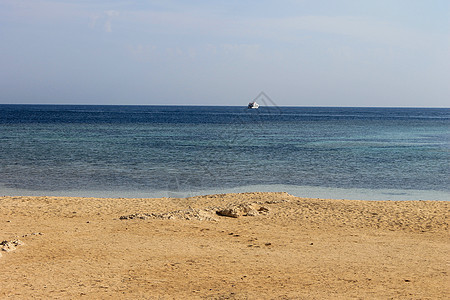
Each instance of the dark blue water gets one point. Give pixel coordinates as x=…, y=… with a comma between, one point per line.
x=126, y=149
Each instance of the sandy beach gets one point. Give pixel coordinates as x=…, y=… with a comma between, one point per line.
x=230, y=246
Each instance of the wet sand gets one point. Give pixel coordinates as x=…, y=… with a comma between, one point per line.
x=276, y=246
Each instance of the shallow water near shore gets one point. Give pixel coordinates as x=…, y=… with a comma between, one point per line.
x=298, y=191
x=178, y=151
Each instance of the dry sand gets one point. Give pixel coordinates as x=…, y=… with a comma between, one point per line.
x=300, y=249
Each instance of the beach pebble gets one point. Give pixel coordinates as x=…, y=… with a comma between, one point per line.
x=135, y=216
x=228, y=212
x=263, y=210
x=7, y=246
x=17, y=243
x=252, y=213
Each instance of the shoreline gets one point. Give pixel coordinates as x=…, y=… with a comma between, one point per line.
x=299, y=191
x=276, y=246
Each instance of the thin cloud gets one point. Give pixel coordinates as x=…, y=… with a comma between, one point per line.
x=110, y=14
x=93, y=21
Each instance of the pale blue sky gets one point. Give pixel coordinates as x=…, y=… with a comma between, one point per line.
x=302, y=53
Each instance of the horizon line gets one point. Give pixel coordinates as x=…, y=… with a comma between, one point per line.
x=210, y=105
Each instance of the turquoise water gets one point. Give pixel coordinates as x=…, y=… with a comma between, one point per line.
x=150, y=151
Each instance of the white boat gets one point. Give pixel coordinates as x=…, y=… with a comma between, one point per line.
x=253, y=105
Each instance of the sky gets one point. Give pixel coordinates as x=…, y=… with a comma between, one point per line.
x=197, y=52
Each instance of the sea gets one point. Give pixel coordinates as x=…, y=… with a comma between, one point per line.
x=182, y=151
